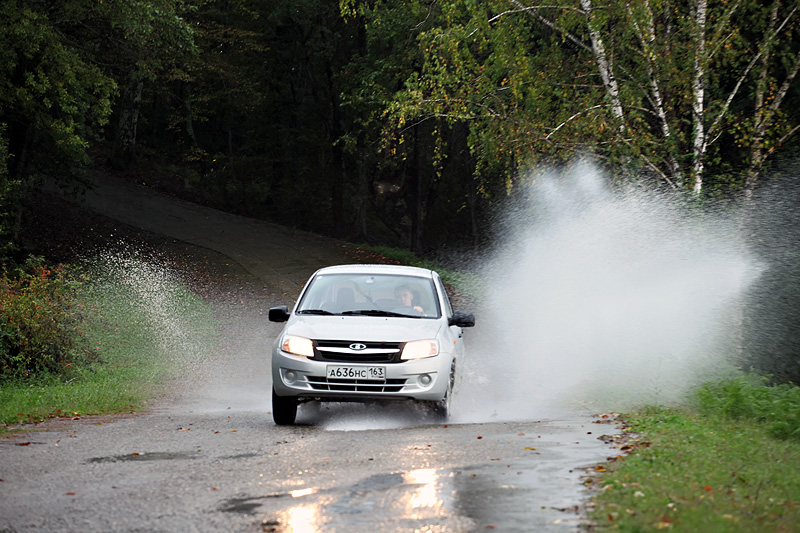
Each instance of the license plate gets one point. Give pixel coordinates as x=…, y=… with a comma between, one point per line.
x=357, y=372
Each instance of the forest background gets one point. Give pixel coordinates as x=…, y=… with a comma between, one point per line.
x=403, y=123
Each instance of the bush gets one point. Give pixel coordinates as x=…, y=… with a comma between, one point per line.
x=749, y=397
x=39, y=322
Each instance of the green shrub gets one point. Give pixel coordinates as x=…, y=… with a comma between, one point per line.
x=148, y=326
x=749, y=397
x=40, y=322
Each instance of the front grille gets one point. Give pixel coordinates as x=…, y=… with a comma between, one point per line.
x=373, y=352
x=356, y=385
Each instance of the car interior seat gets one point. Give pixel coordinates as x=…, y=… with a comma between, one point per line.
x=345, y=299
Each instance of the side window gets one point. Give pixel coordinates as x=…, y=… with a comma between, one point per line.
x=448, y=309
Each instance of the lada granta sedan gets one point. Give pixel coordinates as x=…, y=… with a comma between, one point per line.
x=361, y=333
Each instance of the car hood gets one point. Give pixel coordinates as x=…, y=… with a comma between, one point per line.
x=376, y=329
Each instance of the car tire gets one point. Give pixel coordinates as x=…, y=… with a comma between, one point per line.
x=441, y=409
x=284, y=409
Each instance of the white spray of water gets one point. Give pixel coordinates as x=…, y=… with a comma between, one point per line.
x=600, y=295
x=153, y=298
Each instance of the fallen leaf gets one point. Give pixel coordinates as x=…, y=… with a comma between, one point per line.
x=70, y=494
x=479, y=437
x=23, y=444
x=708, y=488
x=529, y=448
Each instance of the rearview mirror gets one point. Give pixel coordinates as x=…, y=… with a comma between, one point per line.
x=279, y=314
x=462, y=319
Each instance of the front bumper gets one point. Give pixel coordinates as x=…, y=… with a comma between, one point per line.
x=422, y=379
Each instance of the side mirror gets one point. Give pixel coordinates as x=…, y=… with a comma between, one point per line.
x=462, y=319
x=279, y=314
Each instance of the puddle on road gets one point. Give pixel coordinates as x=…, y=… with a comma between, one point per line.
x=143, y=456
x=463, y=499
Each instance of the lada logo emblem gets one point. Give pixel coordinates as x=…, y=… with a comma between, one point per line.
x=357, y=346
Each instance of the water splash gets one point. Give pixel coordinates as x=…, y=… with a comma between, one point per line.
x=606, y=295
x=158, y=309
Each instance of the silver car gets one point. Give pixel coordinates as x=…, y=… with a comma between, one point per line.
x=363, y=333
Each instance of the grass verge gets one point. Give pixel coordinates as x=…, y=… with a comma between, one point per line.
x=700, y=472
x=144, y=326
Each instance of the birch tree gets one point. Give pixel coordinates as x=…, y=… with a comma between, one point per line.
x=699, y=94
x=672, y=89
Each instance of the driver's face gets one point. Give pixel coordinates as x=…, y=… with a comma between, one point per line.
x=405, y=298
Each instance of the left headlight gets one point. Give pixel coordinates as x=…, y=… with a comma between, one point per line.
x=298, y=346
x=420, y=349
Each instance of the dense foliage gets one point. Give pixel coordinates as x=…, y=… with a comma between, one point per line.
x=748, y=397
x=688, y=94
x=40, y=321
x=380, y=120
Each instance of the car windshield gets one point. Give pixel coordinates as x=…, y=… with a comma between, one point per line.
x=377, y=295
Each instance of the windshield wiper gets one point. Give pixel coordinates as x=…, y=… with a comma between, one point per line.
x=378, y=312
x=314, y=312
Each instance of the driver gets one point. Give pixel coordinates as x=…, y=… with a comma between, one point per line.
x=405, y=298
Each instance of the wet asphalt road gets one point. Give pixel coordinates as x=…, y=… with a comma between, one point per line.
x=207, y=457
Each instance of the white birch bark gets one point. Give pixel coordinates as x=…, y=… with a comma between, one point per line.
x=698, y=96
x=603, y=64
x=647, y=37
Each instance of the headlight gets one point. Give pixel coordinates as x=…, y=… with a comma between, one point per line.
x=298, y=346
x=420, y=349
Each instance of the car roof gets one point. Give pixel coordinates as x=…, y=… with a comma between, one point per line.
x=400, y=270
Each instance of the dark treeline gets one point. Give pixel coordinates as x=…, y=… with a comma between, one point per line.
x=405, y=123
x=270, y=109
x=395, y=122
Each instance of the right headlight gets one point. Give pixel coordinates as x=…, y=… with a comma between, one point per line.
x=420, y=349
x=298, y=346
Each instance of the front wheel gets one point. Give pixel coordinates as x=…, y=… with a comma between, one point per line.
x=441, y=409
x=284, y=409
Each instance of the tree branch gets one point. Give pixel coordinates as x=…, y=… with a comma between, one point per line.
x=573, y=117
x=747, y=70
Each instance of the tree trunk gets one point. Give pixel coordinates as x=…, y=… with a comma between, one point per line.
x=186, y=94
x=698, y=96
x=647, y=37
x=362, y=198
x=416, y=195
x=603, y=64
x=125, y=142
x=764, y=114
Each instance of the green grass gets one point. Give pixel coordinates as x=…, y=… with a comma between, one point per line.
x=144, y=326
x=701, y=472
